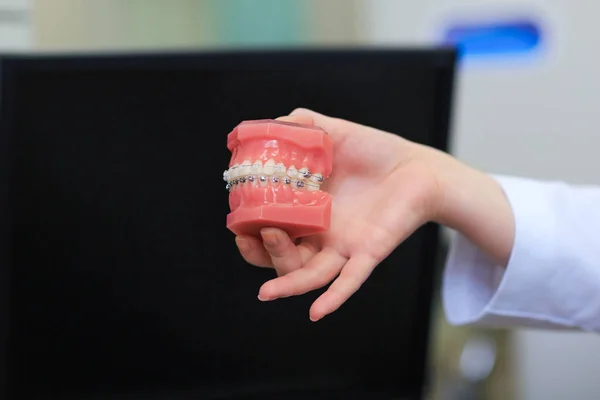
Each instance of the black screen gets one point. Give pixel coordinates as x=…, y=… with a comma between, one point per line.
x=121, y=277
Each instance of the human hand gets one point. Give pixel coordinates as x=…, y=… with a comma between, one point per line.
x=381, y=193
x=383, y=188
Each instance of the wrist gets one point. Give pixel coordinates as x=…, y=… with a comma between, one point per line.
x=474, y=204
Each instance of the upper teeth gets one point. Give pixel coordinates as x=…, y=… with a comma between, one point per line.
x=269, y=168
x=291, y=172
x=252, y=171
x=256, y=168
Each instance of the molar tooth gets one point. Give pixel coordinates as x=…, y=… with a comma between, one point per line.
x=317, y=178
x=269, y=168
x=280, y=169
x=311, y=187
x=292, y=172
x=303, y=173
x=256, y=168
x=245, y=168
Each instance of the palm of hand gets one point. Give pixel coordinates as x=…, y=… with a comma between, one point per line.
x=380, y=196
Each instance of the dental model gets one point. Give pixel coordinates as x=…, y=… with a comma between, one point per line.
x=275, y=176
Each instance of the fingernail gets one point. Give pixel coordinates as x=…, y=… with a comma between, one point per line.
x=242, y=244
x=270, y=238
x=262, y=298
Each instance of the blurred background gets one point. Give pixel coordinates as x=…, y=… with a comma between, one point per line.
x=526, y=108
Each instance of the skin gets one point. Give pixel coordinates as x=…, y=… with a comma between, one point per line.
x=384, y=188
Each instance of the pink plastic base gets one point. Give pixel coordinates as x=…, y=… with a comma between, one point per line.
x=296, y=220
x=297, y=212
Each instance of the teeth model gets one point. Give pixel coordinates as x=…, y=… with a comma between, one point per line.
x=275, y=178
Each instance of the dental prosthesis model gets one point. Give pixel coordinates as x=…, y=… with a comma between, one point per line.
x=275, y=176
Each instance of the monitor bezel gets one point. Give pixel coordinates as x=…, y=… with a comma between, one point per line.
x=442, y=58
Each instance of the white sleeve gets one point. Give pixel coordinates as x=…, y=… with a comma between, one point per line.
x=553, y=277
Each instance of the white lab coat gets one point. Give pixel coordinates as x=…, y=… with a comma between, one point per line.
x=553, y=276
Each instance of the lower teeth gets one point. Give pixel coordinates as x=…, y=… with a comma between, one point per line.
x=310, y=184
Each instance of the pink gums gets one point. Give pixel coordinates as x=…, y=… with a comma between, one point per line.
x=298, y=212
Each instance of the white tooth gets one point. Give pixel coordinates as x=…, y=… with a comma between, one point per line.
x=292, y=172
x=280, y=169
x=226, y=175
x=245, y=168
x=269, y=168
x=302, y=172
x=233, y=171
x=263, y=180
x=256, y=167
x=312, y=187
x=317, y=178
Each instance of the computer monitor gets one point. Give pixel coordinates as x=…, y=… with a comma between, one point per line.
x=118, y=276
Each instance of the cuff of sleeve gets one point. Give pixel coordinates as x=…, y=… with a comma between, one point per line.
x=476, y=290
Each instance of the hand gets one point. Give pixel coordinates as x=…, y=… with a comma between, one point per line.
x=383, y=188
x=382, y=192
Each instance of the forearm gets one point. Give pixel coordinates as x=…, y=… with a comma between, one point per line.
x=474, y=204
x=551, y=252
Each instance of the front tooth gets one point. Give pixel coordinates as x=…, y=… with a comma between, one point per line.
x=233, y=172
x=245, y=168
x=292, y=172
x=269, y=168
x=226, y=175
x=263, y=180
x=256, y=167
x=280, y=169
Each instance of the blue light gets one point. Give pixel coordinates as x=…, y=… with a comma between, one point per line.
x=495, y=39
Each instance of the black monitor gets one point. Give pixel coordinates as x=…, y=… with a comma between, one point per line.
x=118, y=277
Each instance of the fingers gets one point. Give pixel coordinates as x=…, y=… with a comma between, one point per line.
x=318, y=272
x=333, y=126
x=356, y=271
x=299, y=119
x=275, y=250
x=253, y=251
x=284, y=254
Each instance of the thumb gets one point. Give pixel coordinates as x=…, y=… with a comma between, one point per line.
x=335, y=127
